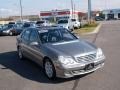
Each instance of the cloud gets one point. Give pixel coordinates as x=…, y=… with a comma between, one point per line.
x=6, y=12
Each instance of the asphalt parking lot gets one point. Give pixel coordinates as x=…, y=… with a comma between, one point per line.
x=26, y=75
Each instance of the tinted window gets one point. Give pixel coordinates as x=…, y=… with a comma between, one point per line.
x=33, y=36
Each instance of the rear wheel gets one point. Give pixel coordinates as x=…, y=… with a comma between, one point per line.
x=49, y=69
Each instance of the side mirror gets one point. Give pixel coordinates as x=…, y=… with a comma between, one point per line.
x=34, y=43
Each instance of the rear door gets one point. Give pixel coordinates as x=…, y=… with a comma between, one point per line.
x=25, y=41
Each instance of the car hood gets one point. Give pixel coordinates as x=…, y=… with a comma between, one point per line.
x=72, y=48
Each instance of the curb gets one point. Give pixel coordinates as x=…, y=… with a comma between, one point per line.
x=96, y=30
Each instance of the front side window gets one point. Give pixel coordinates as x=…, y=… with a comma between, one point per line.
x=25, y=35
x=33, y=36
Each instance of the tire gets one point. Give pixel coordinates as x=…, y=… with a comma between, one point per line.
x=71, y=29
x=49, y=69
x=11, y=33
x=20, y=54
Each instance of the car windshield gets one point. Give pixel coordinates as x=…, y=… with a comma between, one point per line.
x=56, y=35
x=62, y=21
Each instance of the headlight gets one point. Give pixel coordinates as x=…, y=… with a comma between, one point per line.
x=66, y=60
x=99, y=53
x=7, y=31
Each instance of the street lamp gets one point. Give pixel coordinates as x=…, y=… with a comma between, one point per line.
x=21, y=11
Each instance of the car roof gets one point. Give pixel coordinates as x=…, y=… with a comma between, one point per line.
x=47, y=28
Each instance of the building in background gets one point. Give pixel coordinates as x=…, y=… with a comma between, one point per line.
x=111, y=14
x=55, y=15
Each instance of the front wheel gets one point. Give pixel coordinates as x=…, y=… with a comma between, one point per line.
x=20, y=53
x=11, y=33
x=49, y=69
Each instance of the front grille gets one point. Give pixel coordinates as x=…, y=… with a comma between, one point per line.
x=86, y=58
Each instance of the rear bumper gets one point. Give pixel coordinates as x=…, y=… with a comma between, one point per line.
x=71, y=72
x=4, y=33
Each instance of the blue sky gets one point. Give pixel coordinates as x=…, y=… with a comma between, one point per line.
x=11, y=7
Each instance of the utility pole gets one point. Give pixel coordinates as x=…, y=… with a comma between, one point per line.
x=21, y=11
x=89, y=11
x=72, y=6
x=74, y=9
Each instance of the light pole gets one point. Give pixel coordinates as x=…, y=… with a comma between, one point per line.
x=21, y=11
x=89, y=11
x=72, y=6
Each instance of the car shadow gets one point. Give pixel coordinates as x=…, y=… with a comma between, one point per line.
x=28, y=69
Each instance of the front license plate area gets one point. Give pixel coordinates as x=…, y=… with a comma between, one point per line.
x=89, y=66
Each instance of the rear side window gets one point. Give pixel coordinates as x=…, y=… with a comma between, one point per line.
x=25, y=35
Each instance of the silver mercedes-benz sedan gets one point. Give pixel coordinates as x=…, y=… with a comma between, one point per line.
x=59, y=52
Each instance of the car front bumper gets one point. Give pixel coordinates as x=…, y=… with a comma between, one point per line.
x=78, y=70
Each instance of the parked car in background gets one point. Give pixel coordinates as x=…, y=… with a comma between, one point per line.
x=18, y=28
x=6, y=29
x=99, y=19
x=76, y=23
x=59, y=52
x=65, y=23
x=43, y=23
x=14, y=29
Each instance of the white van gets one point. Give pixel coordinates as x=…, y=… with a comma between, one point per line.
x=65, y=23
x=76, y=23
